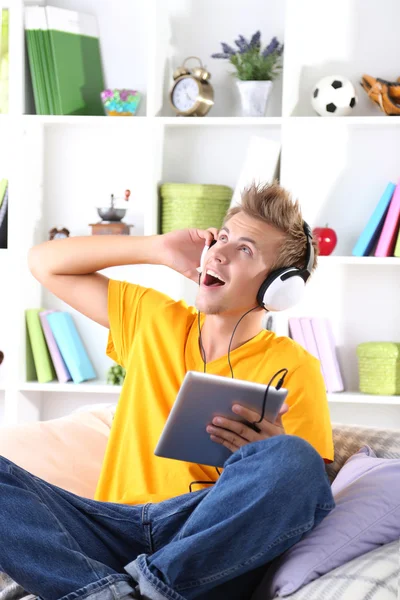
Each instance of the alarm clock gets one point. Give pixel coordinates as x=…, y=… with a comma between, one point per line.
x=191, y=95
x=58, y=233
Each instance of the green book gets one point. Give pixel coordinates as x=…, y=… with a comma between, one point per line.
x=34, y=22
x=4, y=23
x=45, y=69
x=40, y=352
x=75, y=51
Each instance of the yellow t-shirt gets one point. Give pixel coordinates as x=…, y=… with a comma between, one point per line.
x=156, y=339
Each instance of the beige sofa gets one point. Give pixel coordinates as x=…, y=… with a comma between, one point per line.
x=69, y=452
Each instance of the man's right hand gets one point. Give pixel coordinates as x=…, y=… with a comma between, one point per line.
x=182, y=249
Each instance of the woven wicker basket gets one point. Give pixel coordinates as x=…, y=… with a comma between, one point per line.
x=193, y=205
x=379, y=368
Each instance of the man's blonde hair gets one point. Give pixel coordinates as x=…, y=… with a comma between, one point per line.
x=273, y=204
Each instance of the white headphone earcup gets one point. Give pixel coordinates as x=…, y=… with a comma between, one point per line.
x=202, y=259
x=281, y=295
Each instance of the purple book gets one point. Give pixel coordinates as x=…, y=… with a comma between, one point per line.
x=63, y=375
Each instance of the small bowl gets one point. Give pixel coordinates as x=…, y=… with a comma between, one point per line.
x=111, y=214
x=120, y=102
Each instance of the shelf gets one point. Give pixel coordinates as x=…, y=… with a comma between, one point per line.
x=95, y=387
x=99, y=121
x=218, y=121
x=333, y=121
x=359, y=260
x=105, y=121
x=359, y=398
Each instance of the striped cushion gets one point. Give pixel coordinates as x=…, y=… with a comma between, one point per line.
x=372, y=576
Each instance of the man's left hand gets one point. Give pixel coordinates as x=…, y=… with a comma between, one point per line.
x=235, y=434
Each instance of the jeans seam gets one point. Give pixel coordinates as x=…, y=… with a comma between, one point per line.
x=146, y=524
x=290, y=534
x=61, y=527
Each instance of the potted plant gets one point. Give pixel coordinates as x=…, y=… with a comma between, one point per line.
x=255, y=70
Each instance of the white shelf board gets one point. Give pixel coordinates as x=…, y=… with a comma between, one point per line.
x=359, y=398
x=89, y=387
x=99, y=121
x=206, y=121
x=333, y=121
x=359, y=260
x=218, y=121
x=119, y=121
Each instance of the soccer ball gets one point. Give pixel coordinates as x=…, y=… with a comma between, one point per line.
x=334, y=96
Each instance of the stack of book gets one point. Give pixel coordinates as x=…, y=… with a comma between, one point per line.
x=3, y=214
x=64, y=60
x=4, y=61
x=54, y=349
x=316, y=336
x=381, y=235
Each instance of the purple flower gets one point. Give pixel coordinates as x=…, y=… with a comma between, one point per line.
x=254, y=46
x=272, y=47
x=242, y=46
x=228, y=49
x=220, y=55
x=255, y=40
x=123, y=95
x=244, y=42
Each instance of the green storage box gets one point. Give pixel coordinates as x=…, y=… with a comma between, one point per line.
x=379, y=368
x=186, y=205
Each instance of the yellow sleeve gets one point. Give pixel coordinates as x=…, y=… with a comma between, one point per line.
x=308, y=416
x=124, y=301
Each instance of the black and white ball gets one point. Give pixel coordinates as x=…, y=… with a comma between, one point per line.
x=334, y=96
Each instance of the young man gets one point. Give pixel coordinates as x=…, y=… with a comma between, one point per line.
x=146, y=535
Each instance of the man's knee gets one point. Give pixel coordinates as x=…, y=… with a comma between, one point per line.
x=288, y=454
x=5, y=464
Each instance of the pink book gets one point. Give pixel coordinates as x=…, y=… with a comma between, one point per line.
x=388, y=236
x=63, y=375
x=296, y=332
x=311, y=344
x=327, y=352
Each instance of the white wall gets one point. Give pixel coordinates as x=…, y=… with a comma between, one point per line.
x=210, y=154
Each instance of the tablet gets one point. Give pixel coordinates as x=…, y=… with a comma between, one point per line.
x=201, y=397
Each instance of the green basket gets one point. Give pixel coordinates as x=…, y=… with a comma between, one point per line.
x=186, y=205
x=379, y=368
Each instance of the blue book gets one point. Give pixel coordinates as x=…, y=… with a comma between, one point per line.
x=71, y=347
x=373, y=228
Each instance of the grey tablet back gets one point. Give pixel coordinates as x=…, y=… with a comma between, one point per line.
x=201, y=398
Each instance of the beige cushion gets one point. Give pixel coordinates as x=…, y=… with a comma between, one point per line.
x=348, y=439
x=67, y=452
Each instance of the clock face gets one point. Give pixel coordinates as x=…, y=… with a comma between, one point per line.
x=185, y=94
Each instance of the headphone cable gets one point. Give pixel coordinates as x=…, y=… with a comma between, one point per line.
x=278, y=386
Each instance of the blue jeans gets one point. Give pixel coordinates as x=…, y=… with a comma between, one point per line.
x=210, y=544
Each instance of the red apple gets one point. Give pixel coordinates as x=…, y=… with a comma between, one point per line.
x=326, y=239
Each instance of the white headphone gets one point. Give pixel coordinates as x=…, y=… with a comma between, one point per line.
x=284, y=287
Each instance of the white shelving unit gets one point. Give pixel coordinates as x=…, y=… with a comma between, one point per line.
x=61, y=168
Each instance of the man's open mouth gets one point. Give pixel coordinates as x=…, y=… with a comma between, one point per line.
x=211, y=279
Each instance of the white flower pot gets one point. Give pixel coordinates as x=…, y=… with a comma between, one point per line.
x=254, y=97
